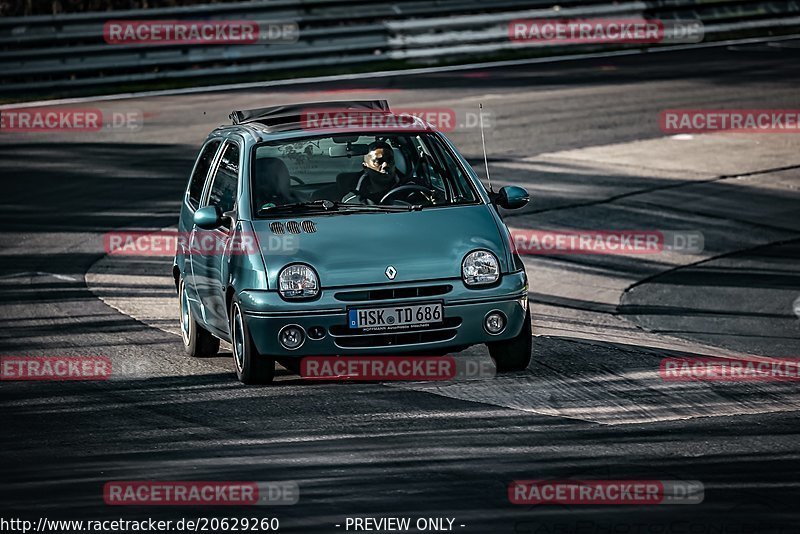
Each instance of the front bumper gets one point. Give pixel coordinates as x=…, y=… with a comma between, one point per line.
x=267, y=313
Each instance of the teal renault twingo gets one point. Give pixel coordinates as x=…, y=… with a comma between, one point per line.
x=365, y=233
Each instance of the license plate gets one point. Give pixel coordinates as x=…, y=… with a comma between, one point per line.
x=395, y=317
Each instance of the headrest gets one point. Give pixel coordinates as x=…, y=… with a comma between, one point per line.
x=400, y=162
x=271, y=168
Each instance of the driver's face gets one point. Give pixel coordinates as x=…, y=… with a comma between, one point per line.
x=380, y=160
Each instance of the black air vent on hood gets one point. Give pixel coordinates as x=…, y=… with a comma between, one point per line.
x=293, y=227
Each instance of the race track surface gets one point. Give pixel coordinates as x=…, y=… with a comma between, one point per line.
x=583, y=137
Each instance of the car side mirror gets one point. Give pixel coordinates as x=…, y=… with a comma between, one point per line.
x=511, y=197
x=208, y=217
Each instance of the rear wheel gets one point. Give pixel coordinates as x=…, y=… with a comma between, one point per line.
x=197, y=341
x=251, y=367
x=514, y=354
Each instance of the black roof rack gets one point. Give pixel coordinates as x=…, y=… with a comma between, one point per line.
x=291, y=113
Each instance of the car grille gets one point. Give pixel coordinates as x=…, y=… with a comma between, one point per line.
x=392, y=340
x=393, y=293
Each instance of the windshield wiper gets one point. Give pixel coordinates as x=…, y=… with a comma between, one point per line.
x=379, y=207
x=327, y=205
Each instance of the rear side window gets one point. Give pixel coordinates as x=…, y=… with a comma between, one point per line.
x=204, y=161
x=226, y=179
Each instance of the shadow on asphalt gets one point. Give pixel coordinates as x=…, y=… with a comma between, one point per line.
x=416, y=457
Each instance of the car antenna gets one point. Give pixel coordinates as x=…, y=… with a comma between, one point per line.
x=483, y=142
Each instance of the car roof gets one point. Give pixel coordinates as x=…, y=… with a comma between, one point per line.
x=339, y=117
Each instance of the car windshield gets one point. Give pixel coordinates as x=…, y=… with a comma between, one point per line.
x=415, y=171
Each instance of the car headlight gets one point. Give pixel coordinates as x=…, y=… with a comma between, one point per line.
x=298, y=281
x=480, y=268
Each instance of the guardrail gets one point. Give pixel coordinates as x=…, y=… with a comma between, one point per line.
x=68, y=53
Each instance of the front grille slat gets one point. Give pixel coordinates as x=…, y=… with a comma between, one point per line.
x=293, y=227
x=277, y=228
x=308, y=227
x=393, y=293
x=394, y=340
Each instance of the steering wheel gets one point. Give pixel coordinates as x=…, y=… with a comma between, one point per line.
x=298, y=180
x=424, y=191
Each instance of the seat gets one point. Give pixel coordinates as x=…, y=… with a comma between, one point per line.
x=400, y=163
x=345, y=182
x=273, y=183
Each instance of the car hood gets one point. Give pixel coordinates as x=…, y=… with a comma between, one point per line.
x=357, y=248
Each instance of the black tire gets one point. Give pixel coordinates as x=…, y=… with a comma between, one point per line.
x=197, y=341
x=251, y=367
x=514, y=354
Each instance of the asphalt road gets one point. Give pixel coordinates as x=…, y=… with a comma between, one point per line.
x=584, y=138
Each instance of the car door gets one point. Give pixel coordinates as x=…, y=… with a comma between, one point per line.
x=198, y=184
x=208, y=259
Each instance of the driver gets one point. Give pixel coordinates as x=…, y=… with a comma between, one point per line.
x=379, y=176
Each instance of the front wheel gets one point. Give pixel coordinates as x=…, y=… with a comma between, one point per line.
x=514, y=354
x=197, y=341
x=251, y=367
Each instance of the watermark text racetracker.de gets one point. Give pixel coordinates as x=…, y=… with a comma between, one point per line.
x=604, y=31
x=619, y=242
x=200, y=493
x=605, y=492
x=209, y=32
x=169, y=242
x=444, y=119
x=54, y=368
x=687, y=121
x=395, y=368
x=41, y=120
x=705, y=369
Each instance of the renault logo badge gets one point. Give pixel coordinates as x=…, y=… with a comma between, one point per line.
x=391, y=272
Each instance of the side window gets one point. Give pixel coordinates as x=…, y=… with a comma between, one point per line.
x=462, y=192
x=425, y=167
x=226, y=179
x=204, y=161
